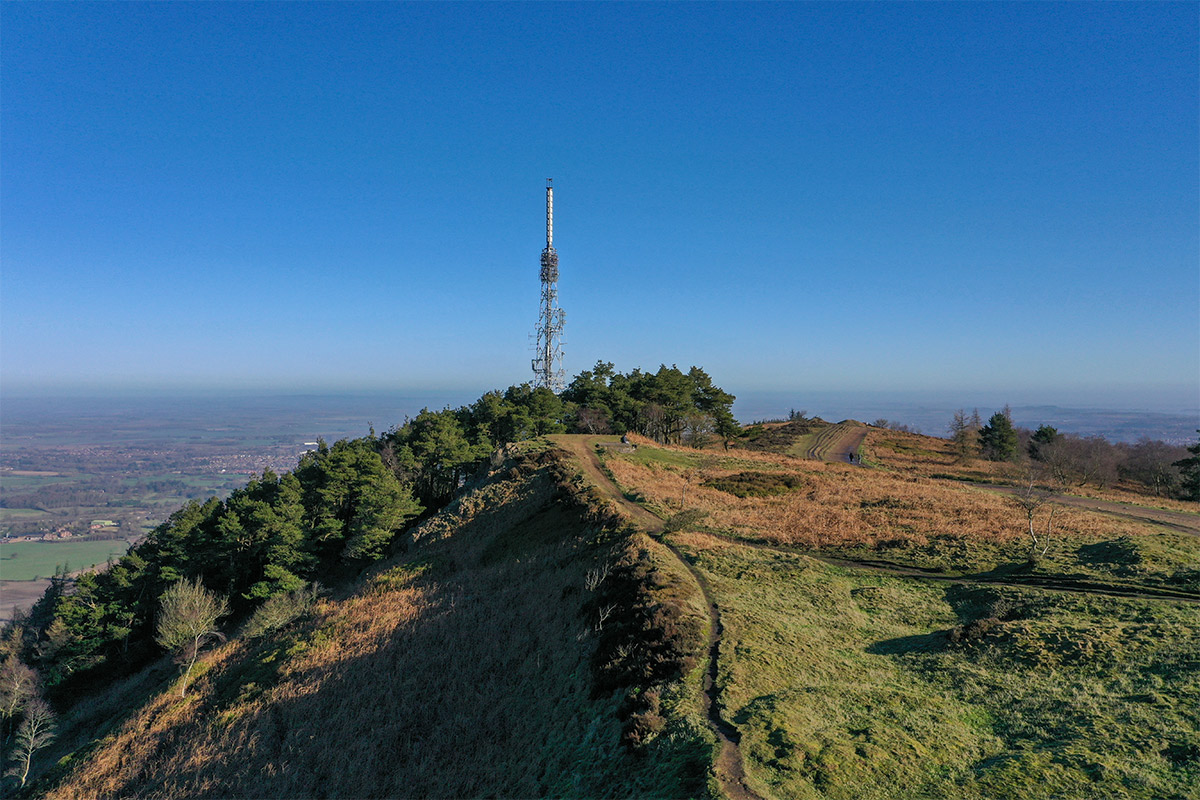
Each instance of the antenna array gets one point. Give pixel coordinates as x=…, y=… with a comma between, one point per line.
x=547, y=359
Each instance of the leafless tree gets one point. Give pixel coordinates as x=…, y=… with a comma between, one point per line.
x=187, y=620
x=603, y=614
x=1031, y=498
x=1152, y=464
x=964, y=432
x=36, y=731
x=595, y=577
x=592, y=420
x=1081, y=460
x=18, y=684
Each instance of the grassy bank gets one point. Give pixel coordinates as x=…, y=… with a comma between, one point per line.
x=847, y=684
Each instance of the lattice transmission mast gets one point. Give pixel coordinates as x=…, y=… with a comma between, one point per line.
x=547, y=359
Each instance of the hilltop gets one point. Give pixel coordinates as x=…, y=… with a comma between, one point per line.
x=755, y=617
x=487, y=632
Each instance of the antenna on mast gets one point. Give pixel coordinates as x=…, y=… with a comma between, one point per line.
x=547, y=360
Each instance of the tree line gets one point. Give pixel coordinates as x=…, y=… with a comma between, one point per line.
x=1068, y=459
x=341, y=508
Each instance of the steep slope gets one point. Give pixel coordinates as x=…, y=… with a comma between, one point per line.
x=525, y=644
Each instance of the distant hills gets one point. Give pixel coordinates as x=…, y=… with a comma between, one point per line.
x=1116, y=425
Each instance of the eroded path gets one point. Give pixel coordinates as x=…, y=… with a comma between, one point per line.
x=730, y=768
x=837, y=442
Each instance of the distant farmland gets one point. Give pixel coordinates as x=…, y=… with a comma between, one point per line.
x=27, y=561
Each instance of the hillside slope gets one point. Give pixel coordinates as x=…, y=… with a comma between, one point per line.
x=510, y=651
x=667, y=622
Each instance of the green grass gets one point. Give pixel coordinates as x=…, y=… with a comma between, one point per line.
x=847, y=684
x=27, y=561
x=1162, y=559
x=14, y=482
x=21, y=514
x=656, y=456
x=755, y=484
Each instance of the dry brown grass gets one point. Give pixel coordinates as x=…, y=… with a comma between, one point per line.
x=930, y=456
x=841, y=505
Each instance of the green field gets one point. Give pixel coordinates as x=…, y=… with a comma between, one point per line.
x=13, y=482
x=20, y=514
x=27, y=561
x=851, y=684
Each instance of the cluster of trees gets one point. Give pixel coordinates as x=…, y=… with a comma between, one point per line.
x=1068, y=459
x=340, y=507
x=338, y=510
x=669, y=405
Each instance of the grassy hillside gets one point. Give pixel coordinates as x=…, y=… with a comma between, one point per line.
x=886, y=635
x=668, y=622
x=490, y=658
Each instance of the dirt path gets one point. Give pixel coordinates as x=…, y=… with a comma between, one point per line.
x=1014, y=580
x=730, y=768
x=837, y=442
x=584, y=448
x=1180, y=521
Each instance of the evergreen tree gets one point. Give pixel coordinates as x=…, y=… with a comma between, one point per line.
x=1190, y=469
x=998, y=438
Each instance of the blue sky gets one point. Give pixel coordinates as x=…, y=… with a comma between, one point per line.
x=951, y=200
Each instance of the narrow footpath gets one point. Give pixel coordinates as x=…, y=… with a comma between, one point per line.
x=730, y=768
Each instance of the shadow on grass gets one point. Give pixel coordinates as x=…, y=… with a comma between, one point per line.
x=920, y=643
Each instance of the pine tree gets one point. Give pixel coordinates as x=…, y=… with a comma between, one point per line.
x=1190, y=467
x=998, y=439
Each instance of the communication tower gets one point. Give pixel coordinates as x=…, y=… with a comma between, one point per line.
x=547, y=359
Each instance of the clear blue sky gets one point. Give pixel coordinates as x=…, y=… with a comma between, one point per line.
x=956, y=199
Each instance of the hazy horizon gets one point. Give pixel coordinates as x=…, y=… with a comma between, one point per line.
x=350, y=412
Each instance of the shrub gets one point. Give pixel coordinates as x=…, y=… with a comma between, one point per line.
x=976, y=629
x=281, y=610
x=755, y=484
x=688, y=518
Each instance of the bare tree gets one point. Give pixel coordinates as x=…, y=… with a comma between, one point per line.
x=1031, y=498
x=36, y=731
x=1081, y=460
x=187, y=620
x=1152, y=464
x=18, y=686
x=592, y=420
x=964, y=432
x=595, y=577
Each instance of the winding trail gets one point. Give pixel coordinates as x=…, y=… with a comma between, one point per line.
x=730, y=768
x=843, y=439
